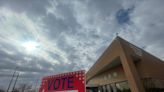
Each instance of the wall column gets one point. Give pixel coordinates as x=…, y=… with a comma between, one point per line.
x=131, y=73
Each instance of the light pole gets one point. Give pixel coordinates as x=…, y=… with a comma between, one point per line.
x=11, y=79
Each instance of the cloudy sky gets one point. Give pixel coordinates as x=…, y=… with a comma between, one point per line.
x=69, y=35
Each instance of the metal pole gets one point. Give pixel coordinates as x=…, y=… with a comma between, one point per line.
x=11, y=80
x=15, y=82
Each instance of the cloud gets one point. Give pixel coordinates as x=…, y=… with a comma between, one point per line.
x=146, y=29
x=37, y=7
x=15, y=30
x=73, y=34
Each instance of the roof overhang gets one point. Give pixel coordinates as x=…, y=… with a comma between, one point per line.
x=114, y=63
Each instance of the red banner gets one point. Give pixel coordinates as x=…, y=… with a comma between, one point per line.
x=65, y=82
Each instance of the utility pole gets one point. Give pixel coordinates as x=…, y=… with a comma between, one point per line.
x=15, y=82
x=11, y=80
x=36, y=84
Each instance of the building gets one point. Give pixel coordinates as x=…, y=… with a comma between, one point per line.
x=123, y=67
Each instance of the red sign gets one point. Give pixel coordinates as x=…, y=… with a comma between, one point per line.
x=65, y=82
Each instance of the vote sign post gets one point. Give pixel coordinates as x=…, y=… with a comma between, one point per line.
x=65, y=82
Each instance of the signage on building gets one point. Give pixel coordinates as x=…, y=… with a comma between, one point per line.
x=65, y=82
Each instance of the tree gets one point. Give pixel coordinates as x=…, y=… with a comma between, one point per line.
x=1, y=90
x=23, y=87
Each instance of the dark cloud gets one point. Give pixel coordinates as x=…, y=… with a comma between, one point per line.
x=37, y=7
x=54, y=26
x=105, y=7
x=67, y=24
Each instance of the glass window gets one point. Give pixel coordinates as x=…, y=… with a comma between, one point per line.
x=109, y=76
x=122, y=86
x=113, y=86
x=108, y=88
x=100, y=89
x=153, y=85
x=115, y=74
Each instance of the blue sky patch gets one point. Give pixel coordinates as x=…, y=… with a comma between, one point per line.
x=122, y=15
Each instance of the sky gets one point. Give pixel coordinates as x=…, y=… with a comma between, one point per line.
x=70, y=35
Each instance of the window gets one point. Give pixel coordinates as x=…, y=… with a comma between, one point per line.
x=153, y=85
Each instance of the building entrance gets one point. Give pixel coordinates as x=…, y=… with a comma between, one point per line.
x=114, y=87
